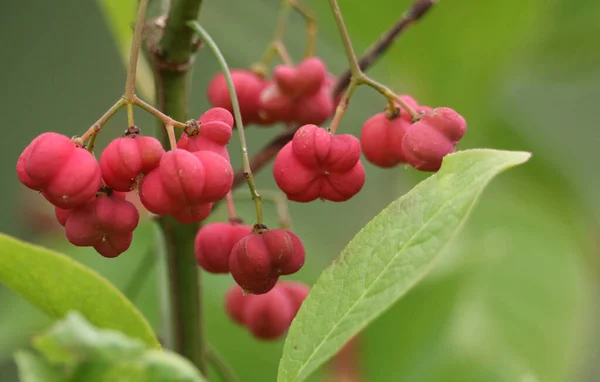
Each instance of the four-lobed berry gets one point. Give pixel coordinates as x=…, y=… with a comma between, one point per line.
x=214, y=133
x=105, y=223
x=267, y=316
x=316, y=165
x=257, y=260
x=67, y=175
x=125, y=159
x=214, y=242
x=434, y=136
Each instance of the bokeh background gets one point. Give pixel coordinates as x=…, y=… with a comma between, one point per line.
x=515, y=297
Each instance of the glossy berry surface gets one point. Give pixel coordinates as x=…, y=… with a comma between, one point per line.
x=258, y=259
x=317, y=165
x=214, y=242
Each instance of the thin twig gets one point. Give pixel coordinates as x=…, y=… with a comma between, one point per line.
x=238, y=117
x=135, y=50
x=221, y=366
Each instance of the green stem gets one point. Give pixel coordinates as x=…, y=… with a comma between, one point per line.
x=130, y=120
x=237, y=114
x=343, y=105
x=337, y=14
x=135, y=50
x=171, y=61
x=387, y=93
x=97, y=126
x=220, y=364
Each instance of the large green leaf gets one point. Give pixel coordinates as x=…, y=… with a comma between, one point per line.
x=57, y=284
x=391, y=254
x=77, y=351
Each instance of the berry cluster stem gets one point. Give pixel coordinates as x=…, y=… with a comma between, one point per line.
x=97, y=126
x=357, y=76
x=237, y=115
x=311, y=26
x=165, y=119
x=230, y=206
x=135, y=50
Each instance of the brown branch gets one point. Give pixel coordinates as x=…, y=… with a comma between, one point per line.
x=414, y=13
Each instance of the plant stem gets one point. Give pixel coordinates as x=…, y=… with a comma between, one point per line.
x=386, y=92
x=230, y=206
x=135, y=51
x=171, y=60
x=238, y=117
x=311, y=26
x=90, y=145
x=220, y=364
x=352, y=61
x=171, y=135
x=165, y=119
x=343, y=105
x=97, y=126
x=130, y=120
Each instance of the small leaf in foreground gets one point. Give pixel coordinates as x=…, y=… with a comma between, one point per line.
x=74, y=350
x=56, y=284
x=392, y=253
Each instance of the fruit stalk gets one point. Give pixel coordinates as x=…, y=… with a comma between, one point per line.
x=237, y=115
x=135, y=50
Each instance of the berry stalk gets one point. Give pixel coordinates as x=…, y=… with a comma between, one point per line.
x=237, y=115
x=230, y=206
x=97, y=126
x=135, y=51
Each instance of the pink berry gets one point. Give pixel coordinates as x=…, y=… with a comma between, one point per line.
x=302, y=81
x=214, y=242
x=381, y=140
x=434, y=136
x=269, y=316
x=236, y=303
x=126, y=158
x=192, y=214
x=248, y=87
x=296, y=292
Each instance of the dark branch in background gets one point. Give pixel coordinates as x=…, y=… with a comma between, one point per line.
x=414, y=13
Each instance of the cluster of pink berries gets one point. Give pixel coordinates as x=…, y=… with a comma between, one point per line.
x=267, y=316
x=90, y=197
x=296, y=94
x=388, y=140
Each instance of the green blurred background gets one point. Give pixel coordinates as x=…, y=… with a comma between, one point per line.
x=514, y=298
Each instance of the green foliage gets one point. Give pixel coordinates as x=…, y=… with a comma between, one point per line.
x=74, y=350
x=390, y=255
x=56, y=284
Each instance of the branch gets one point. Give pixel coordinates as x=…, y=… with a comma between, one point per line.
x=172, y=56
x=414, y=13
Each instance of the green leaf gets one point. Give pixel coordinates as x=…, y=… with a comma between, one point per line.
x=57, y=284
x=119, y=16
x=75, y=350
x=392, y=253
x=35, y=369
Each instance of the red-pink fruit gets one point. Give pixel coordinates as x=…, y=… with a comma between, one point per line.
x=77, y=181
x=126, y=158
x=154, y=196
x=62, y=215
x=44, y=158
x=248, y=87
x=314, y=109
x=434, y=136
x=67, y=175
x=192, y=214
x=214, y=133
x=275, y=105
x=183, y=176
x=214, y=242
x=296, y=292
x=286, y=250
x=317, y=165
x=302, y=81
x=217, y=114
x=106, y=223
x=218, y=175
x=269, y=316
x=200, y=143
x=381, y=140
x=236, y=303
x=257, y=260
